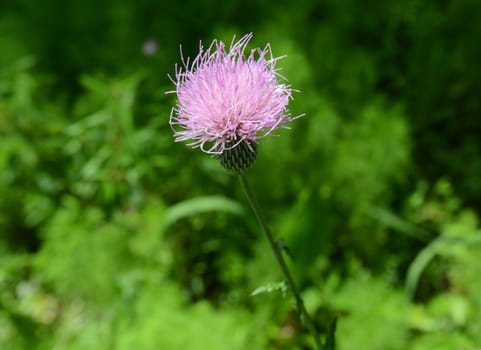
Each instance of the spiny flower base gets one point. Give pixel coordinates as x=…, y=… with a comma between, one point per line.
x=239, y=158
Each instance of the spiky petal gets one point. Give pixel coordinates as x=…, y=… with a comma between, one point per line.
x=227, y=97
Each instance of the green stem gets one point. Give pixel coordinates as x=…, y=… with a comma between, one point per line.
x=280, y=260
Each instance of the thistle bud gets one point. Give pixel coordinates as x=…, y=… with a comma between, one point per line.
x=239, y=158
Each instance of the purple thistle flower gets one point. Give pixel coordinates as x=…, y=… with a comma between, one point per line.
x=226, y=98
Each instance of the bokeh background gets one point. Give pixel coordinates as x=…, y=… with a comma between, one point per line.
x=112, y=236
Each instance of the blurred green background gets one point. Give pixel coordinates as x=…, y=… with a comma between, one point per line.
x=112, y=236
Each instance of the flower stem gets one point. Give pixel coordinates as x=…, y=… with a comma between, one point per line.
x=301, y=309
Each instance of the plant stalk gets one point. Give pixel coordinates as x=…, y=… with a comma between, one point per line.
x=301, y=309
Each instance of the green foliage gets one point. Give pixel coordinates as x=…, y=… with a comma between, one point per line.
x=85, y=236
x=164, y=322
x=371, y=304
x=112, y=236
x=159, y=318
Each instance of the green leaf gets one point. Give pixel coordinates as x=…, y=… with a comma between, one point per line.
x=200, y=205
x=331, y=336
x=271, y=287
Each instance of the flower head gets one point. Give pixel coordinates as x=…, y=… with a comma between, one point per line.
x=226, y=97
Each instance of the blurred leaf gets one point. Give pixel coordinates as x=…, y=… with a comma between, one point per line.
x=444, y=245
x=271, y=287
x=370, y=303
x=331, y=336
x=200, y=205
x=397, y=223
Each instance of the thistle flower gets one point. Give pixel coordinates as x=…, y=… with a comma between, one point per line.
x=227, y=99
